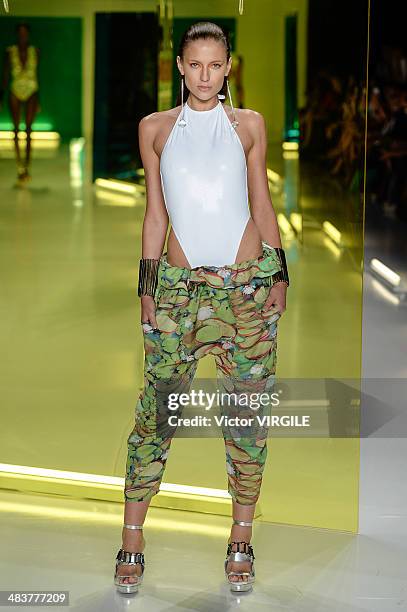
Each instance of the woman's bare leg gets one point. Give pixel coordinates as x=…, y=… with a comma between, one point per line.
x=30, y=112
x=15, y=111
x=132, y=539
x=239, y=533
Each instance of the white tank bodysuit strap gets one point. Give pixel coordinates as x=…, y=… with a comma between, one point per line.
x=204, y=181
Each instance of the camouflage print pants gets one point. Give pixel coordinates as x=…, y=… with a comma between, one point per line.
x=201, y=311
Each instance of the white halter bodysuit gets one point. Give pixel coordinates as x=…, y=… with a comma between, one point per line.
x=204, y=182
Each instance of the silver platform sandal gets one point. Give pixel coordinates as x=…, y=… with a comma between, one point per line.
x=244, y=553
x=124, y=557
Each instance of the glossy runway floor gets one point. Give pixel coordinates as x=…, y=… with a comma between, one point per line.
x=61, y=544
x=69, y=269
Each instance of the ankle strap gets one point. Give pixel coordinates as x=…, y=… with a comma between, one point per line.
x=243, y=549
x=242, y=523
x=133, y=526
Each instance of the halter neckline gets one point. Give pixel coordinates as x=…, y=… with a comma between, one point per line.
x=193, y=110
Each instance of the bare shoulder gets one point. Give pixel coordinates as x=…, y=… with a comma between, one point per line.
x=252, y=118
x=155, y=128
x=152, y=124
x=249, y=118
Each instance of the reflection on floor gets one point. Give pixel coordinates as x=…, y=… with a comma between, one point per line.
x=383, y=487
x=68, y=267
x=385, y=319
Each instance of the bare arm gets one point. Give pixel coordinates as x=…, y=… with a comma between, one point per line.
x=155, y=223
x=5, y=75
x=259, y=194
x=260, y=202
x=38, y=81
x=38, y=62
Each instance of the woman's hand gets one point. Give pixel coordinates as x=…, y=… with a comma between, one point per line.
x=148, y=310
x=277, y=297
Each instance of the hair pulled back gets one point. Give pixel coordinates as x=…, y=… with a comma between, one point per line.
x=197, y=31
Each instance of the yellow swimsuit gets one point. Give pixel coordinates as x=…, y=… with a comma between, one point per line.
x=24, y=78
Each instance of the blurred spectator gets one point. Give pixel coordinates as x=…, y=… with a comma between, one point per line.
x=332, y=130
